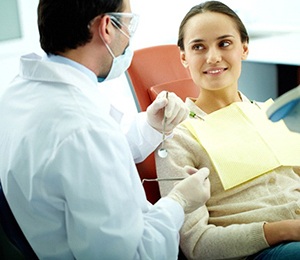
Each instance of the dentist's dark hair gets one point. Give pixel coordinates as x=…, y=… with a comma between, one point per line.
x=212, y=6
x=63, y=24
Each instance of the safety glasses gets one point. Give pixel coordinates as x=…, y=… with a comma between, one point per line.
x=125, y=22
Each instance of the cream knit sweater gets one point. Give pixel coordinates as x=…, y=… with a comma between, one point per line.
x=230, y=226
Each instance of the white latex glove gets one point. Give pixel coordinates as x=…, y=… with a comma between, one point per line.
x=192, y=192
x=173, y=108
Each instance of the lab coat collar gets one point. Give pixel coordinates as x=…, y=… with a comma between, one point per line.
x=60, y=73
x=72, y=63
x=33, y=67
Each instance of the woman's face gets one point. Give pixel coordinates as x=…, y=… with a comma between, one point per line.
x=213, y=51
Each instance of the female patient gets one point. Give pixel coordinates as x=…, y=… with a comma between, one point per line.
x=258, y=217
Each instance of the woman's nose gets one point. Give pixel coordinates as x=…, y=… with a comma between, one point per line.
x=213, y=56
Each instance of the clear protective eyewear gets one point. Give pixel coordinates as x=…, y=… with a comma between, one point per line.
x=129, y=21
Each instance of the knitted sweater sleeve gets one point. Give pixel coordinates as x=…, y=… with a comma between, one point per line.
x=201, y=239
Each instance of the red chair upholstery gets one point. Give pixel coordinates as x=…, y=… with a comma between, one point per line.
x=152, y=66
x=183, y=88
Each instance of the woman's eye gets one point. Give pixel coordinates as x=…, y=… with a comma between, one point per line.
x=198, y=47
x=224, y=44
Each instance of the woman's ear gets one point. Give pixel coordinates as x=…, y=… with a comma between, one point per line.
x=245, y=51
x=183, y=60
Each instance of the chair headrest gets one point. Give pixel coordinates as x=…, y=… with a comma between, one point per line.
x=183, y=88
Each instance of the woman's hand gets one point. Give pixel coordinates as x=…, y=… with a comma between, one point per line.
x=281, y=231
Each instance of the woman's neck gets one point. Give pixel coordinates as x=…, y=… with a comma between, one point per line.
x=210, y=101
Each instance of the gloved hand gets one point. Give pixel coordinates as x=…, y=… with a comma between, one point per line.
x=192, y=192
x=173, y=108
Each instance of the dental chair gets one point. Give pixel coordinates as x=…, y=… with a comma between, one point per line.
x=153, y=70
x=13, y=244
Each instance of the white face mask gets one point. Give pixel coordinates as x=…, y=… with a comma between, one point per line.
x=119, y=65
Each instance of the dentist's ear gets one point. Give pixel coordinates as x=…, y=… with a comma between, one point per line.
x=183, y=60
x=105, y=29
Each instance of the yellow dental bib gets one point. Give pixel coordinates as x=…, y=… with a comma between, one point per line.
x=243, y=144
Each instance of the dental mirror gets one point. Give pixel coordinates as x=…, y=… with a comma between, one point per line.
x=162, y=152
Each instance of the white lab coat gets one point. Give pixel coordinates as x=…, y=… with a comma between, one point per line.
x=68, y=172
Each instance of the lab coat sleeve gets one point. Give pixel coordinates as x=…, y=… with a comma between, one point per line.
x=92, y=178
x=142, y=138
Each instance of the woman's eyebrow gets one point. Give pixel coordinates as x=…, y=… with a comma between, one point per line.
x=225, y=36
x=198, y=40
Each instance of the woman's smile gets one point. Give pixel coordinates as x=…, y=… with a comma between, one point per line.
x=215, y=71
